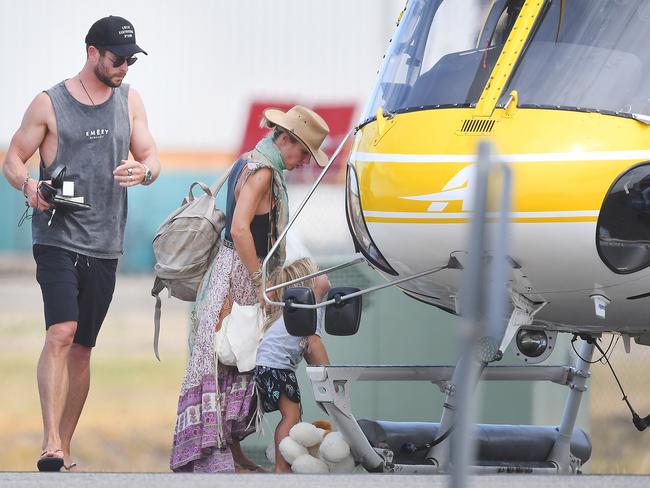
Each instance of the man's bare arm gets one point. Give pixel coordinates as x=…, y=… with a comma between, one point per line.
x=143, y=147
x=24, y=143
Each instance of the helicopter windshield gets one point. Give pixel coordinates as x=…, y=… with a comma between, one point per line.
x=442, y=54
x=587, y=55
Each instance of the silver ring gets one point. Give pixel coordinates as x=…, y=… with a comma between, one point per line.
x=130, y=177
x=129, y=171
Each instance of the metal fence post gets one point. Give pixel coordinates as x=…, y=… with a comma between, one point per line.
x=483, y=312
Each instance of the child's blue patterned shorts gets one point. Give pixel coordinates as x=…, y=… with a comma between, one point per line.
x=271, y=383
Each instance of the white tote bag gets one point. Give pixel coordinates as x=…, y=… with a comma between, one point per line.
x=240, y=333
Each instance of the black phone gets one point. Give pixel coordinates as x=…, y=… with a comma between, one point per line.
x=69, y=205
x=51, y=194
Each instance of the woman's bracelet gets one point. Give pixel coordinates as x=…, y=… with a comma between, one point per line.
x=256, y=278
x=25, y=185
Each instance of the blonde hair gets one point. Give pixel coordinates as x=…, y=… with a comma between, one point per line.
x=292, y=271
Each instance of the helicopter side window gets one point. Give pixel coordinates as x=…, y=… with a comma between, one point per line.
x=455, y=68
x=623, y=231
x=438, y=57
x=499, y=22
x=404, y=59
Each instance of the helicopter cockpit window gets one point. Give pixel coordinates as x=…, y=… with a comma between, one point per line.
x=442, y=54
x=623, y=231
x=589, y=55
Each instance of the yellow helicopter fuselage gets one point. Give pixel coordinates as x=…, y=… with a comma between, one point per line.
x=414, y=170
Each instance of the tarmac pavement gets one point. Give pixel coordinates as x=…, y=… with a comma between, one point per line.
x=162, y=480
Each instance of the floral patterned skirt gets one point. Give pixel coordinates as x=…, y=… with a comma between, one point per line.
x=216, y=403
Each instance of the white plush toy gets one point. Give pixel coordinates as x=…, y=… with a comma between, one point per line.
x=308, y=464
x=311, y=449
x=291, y=450
x=334, y=449
x=307, y=435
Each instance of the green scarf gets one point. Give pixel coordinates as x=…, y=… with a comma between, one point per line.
x=267, y=148
x=267, y=155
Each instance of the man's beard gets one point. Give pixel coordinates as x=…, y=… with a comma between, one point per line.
x=105, y=79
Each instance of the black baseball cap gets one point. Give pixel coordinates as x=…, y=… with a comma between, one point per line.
x=115, y=34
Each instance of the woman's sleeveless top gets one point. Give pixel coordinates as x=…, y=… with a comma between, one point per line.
x=260, y=225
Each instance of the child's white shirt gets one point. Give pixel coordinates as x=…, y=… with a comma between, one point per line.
x=280, y=350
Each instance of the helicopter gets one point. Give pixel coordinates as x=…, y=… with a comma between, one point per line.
x=559, y=88
x=563, y=98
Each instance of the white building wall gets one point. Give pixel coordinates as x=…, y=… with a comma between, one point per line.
x=207, y=59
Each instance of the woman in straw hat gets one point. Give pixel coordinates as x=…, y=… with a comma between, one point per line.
x=215, y=412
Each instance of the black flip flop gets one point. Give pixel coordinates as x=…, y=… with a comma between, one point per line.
x=49, y=463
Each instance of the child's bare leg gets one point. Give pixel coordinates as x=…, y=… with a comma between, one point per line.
x=290, y=412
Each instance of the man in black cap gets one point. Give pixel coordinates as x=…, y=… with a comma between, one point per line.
x=86, y=125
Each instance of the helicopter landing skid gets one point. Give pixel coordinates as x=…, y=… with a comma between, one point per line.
x=379, y=446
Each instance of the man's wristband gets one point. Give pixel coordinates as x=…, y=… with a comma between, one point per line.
x=147, y=176
x=25, y=185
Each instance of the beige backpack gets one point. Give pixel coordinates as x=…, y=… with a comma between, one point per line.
x=185, y=245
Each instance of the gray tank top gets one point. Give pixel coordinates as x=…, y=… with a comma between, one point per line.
x=92, y=140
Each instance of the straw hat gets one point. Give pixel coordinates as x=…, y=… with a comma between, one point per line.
x=306, y=125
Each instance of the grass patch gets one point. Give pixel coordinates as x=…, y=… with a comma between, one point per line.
x=127, y=422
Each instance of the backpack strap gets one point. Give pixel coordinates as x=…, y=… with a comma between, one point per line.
x=190, y=196
x=158, y=286
x=216, y=186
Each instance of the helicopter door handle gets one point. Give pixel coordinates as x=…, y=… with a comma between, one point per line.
x=511, y=105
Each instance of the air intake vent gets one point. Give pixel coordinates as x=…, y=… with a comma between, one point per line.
x=477, y=126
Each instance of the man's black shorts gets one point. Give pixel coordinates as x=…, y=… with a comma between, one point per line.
x=75, y=288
